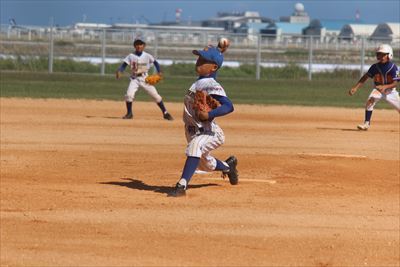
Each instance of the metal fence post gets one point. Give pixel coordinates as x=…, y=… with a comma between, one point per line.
x=258, y=60
x=103, y=53
x=310, y=58
x=51, y=46
x=362, y=56
x=156, y=44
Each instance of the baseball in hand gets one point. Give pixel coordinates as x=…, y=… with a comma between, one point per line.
x=223, y=44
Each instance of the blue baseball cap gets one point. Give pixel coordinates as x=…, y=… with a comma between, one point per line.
x=210, y=53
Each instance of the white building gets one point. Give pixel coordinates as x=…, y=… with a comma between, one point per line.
x=233, y=21
x=354, y=32
x=389, y=32
x=327, y=29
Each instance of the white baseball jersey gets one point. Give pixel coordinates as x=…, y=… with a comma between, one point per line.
x=139, y=64
x=202, y=136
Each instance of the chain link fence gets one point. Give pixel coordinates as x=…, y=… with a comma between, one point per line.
x=108, y=46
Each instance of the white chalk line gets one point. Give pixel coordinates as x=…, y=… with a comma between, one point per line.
x=240, y=179
x=332, y=155
x=244, y=180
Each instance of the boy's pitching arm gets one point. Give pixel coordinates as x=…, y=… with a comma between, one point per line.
x=362, y=80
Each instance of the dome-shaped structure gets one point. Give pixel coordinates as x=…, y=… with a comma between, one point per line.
x=352, y=31
x=299, y=7
x=299, y=10
x=387, y=32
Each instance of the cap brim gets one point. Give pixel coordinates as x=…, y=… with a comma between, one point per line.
x=205, y=55
x=201, y=53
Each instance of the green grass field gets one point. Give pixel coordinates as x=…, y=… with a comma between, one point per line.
x=319, y=92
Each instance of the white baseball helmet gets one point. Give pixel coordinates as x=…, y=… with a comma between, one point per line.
x=385, y=48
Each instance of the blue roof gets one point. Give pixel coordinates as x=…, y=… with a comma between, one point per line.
x=331, y=24
x=254, y=25
x=287, y=27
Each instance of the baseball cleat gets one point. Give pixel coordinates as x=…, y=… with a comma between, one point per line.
x=233, y=174
x=128, y=116
x=168, y=116
x=179, y=191
x=363, y=127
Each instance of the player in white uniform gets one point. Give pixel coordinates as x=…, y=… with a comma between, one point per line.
x=205, y=136
x=140, y=63
x=386, y=75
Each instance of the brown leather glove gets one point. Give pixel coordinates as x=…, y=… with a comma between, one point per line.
x=203, y=103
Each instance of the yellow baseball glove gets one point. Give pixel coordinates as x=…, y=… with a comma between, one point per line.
x=153, y=79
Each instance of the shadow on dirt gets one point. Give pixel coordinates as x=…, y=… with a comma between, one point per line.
x=140, y=185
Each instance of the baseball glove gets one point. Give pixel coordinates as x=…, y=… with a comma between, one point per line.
x=203, y=103
x=153, y=79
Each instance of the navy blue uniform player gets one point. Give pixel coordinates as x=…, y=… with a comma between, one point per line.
x=385, y=75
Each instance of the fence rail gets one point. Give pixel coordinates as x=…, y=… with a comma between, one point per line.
x=105, y=46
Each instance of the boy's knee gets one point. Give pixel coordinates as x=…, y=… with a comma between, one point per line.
x=128, y=99
x=192, y=151
x=370, y=104
x=207, y=164
x=157, y=98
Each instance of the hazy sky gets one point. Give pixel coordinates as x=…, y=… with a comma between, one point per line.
x=38, y=12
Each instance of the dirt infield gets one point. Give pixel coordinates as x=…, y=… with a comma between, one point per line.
x=82, y=187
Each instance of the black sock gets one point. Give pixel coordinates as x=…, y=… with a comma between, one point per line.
x=162, y=107
x=220, y=166
x=368, y=114
x=129, y=107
